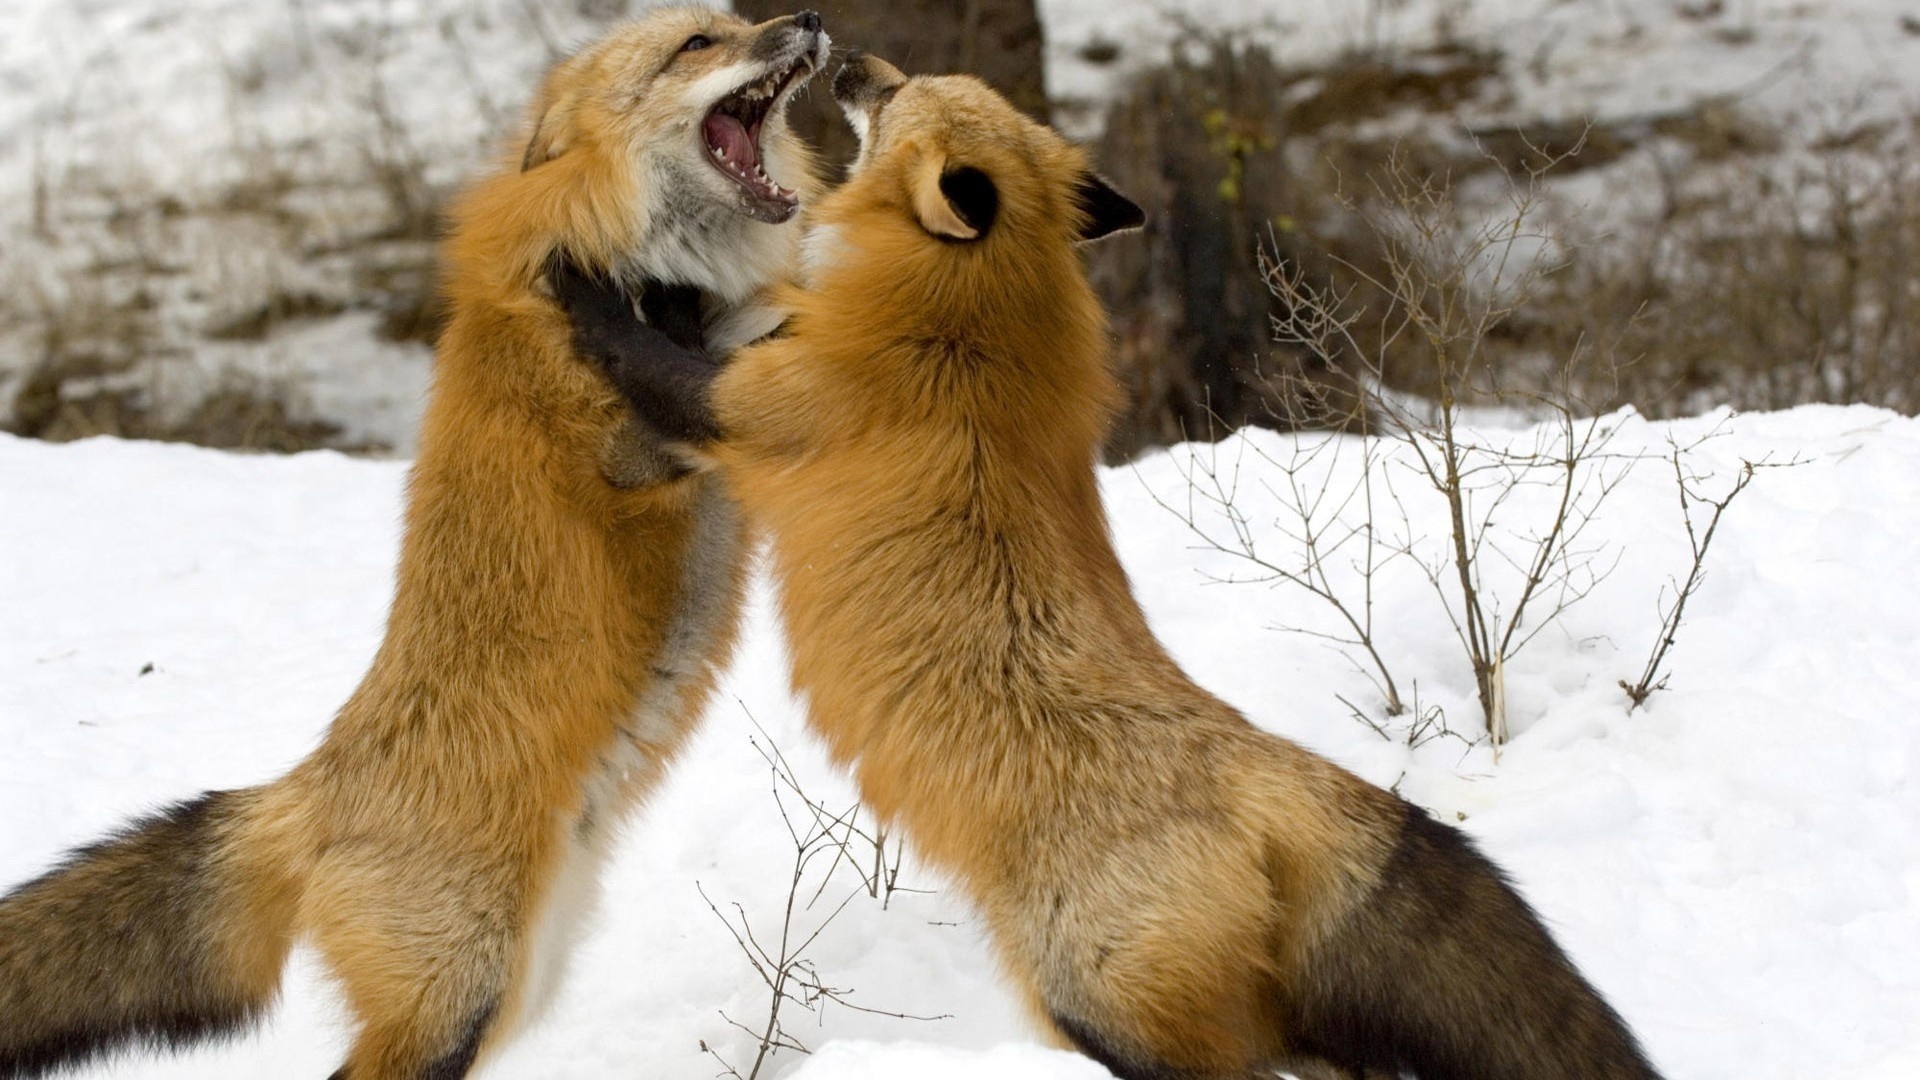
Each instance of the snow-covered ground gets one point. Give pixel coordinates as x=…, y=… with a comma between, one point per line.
x=1736, y=865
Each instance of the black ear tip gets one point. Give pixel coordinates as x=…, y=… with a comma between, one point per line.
x=973, y=196
x=1107, y=211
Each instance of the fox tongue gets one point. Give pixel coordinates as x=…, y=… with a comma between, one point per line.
x=727, y=135
x=730, y=143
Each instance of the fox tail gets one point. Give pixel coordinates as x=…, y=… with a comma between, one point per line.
x=163, y=934
x=1445, y=972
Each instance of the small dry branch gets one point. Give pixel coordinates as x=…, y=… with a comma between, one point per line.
x=1328, y=527
x=824, y=841
x=1693, y=503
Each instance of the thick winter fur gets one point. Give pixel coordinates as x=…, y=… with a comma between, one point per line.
x=1178, y=894
x=552, y=636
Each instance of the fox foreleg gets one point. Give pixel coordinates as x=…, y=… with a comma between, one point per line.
x=659, y=365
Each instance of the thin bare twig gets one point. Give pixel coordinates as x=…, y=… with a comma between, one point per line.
x=823, y=841
x=1653, y=677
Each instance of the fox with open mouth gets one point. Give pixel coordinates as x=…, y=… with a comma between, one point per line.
x=702, y=123
x=1175, y=892
x=565, y=593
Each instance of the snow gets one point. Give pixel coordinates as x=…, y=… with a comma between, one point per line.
x=1736, y=864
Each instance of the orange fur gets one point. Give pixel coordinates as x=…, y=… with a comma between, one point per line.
x=552, y=640
x=1178, y=893
x=920, y=447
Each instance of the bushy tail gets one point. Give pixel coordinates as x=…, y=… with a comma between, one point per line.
x=163, y=934
x=1447, y=974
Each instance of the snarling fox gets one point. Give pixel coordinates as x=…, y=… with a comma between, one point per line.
x=1176, y=893
x=565, y=590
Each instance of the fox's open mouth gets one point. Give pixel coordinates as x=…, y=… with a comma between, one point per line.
x=732, y=134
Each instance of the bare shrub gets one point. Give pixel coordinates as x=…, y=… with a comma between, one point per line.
x=1515, y=555
x=391, y=158
x=1230, y=153
x=1767, y=282
x=829, y=845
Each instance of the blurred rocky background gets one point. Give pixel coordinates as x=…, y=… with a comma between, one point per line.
x=217, y=218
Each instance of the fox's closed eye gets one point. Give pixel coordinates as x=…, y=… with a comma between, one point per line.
x=696, y=43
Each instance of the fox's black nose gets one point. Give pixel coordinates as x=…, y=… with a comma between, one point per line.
x=808, y=20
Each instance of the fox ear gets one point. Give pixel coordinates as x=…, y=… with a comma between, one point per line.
x=551, y=135
x=1106, y=210
x=956, y=204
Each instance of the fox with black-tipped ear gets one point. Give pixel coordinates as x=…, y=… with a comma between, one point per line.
x=1178, y=894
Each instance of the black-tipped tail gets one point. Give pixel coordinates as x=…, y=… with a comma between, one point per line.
x=153, y=936
x=1447, y=974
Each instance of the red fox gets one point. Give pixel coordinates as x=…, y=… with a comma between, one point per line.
x=1178, y=894
x=565, y=590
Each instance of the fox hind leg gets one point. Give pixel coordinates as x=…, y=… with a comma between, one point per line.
x=428, y=952
x=1129, y=1067
x=415, y=1048
x=1122, y=1064
x=454, y=1064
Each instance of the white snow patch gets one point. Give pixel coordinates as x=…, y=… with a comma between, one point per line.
x=1735, y=865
